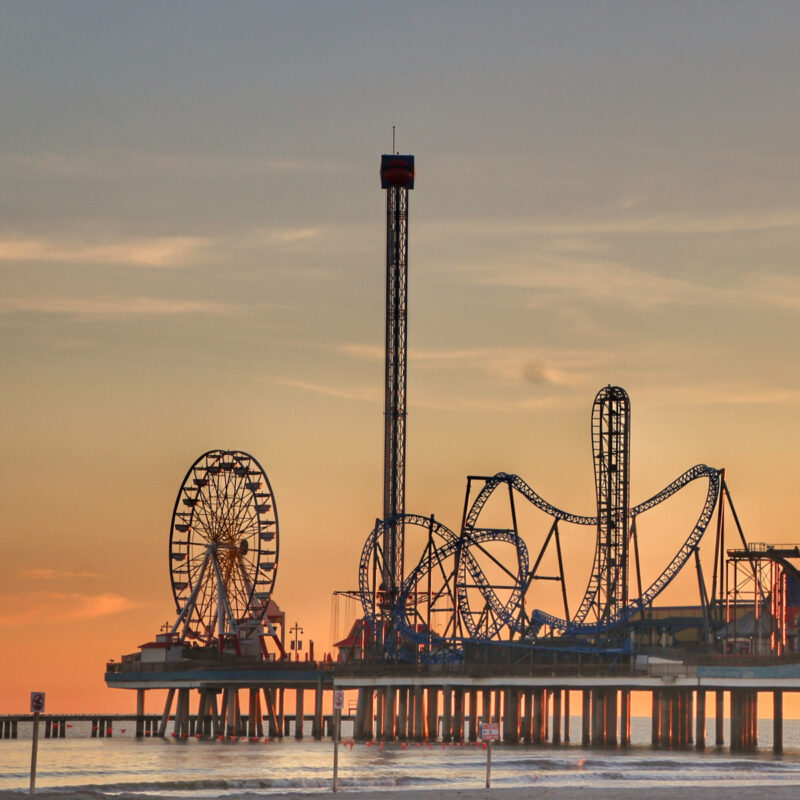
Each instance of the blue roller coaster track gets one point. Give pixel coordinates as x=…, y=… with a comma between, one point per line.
x=455, y=562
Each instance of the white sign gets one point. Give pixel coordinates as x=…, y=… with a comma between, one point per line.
x=37, y=702
x=338, y=699
x=490, y=732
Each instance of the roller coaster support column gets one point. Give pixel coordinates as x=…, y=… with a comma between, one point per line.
x=566, y=716
x=777, y=722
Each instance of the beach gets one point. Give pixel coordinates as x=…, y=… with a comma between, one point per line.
x=123, y=768
x=542, y=793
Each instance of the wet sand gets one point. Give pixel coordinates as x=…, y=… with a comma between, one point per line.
x=787, y=792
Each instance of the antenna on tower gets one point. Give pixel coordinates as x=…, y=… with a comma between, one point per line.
x=394, y=150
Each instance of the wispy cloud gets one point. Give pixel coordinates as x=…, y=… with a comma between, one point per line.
x=778, y=290
x=510, y=363
x=61, y=606
x=109, y=306
x=365, y=394
x=720, y=394
x=49, y=574
x=498, y=404
x=621, y=224
x=579, y=274
x=288, y=236
x=599, y=280
x=155, y=252
x=106, y=162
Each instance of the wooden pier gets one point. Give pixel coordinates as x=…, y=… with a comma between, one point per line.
x=534, y=704
x=535, y=708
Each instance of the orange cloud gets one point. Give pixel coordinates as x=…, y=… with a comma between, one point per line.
x=160, y=251
x=49, y=574
x=60, y=606
x=104, y=306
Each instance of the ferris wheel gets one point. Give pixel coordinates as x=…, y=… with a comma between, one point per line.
x=223, y=549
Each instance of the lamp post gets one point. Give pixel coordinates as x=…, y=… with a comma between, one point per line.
x=297, y=644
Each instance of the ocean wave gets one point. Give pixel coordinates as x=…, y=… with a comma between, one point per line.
x=234, y=785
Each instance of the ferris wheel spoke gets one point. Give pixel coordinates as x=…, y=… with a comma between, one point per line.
x=223, y=600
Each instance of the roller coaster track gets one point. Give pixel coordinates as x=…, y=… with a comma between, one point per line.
x=456, y=549
x=468, y=573
x=577, y=625
x=370, y=565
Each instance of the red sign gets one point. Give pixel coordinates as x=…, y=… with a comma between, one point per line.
x=338, y=699
x=490, y=731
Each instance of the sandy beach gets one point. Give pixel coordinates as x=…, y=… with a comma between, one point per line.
x=543, y=793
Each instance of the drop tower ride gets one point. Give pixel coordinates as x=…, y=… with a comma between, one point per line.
x=397, y=177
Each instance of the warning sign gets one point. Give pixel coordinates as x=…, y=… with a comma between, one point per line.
x=338, y=699
x=490, y=731
x=37, y=702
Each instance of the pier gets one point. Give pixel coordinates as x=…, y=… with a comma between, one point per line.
x=397, y=703
x=534, y=703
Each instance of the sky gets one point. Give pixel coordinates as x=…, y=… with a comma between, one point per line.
x=192, y=257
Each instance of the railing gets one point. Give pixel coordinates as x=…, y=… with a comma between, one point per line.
x=237, y=665
x=382, y=669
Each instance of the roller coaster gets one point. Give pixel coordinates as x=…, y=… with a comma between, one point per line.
x=484, y=585
x=480, y=585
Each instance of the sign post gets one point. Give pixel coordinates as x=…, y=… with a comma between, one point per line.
x=37, y=707
x=338, y=705
x=490, y=732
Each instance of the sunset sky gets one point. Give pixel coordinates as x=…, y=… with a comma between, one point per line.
x=191, y=257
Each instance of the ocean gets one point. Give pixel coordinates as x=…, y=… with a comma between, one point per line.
x=205, y=769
